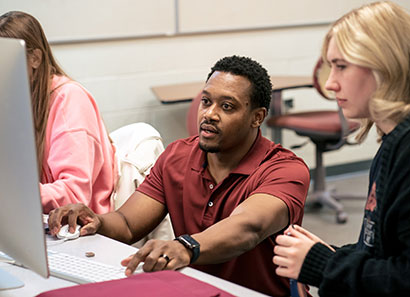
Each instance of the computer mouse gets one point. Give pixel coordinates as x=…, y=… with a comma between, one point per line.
x=65, y=234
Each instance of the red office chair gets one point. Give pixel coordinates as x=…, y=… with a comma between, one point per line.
x=328, y=130
x=192, y=116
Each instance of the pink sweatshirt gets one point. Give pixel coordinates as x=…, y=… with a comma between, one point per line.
x=79, y=160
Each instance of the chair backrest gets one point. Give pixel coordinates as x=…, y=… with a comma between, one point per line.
x=192, y=116
x=320, y=74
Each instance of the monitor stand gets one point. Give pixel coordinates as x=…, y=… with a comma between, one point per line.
x=8, y=281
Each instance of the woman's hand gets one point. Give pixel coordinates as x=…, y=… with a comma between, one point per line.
x=291, y=250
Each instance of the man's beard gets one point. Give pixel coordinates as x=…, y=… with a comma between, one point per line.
x=209, y=149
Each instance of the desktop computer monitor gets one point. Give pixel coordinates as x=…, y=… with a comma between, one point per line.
x=21, y=226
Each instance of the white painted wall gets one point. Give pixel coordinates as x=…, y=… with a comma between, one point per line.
x=120, y=76
x=120, y=72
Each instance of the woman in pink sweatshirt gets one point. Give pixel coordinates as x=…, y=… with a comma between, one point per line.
x=74, y=150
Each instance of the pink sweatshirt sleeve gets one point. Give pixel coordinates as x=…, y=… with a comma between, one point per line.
x=78, y=159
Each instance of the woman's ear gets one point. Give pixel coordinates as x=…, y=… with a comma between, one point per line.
x=35, y=58
x=258, y=116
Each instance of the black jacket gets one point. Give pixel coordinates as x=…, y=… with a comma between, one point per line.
x=385, y=270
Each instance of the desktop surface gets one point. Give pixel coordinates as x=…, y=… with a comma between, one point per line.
x=106, y=251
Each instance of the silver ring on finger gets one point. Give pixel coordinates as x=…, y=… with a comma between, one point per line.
x=165, y=256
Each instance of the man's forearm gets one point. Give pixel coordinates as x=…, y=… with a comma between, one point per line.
x=115, y=226
x=226, y=240
x=249, y=224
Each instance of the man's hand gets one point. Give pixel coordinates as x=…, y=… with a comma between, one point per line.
x=158, y=255
x=72, y=214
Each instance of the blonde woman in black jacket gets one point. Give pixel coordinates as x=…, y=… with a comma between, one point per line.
x=368, y=51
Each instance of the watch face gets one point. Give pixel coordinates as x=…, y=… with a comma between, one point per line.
x=190, y=242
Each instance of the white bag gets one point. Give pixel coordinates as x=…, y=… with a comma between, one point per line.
x=138, y=146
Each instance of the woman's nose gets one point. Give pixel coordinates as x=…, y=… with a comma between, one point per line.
x=331, y=84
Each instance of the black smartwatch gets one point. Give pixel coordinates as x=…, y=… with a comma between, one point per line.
x=190, y=244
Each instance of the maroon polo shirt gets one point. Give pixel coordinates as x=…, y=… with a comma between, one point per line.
x=180, y=180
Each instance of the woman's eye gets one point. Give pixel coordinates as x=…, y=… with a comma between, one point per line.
x=341, y=67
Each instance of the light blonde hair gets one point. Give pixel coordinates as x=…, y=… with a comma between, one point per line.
x=16, y=24
x=376, y=36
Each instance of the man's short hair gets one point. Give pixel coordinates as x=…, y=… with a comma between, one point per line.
x=261, y=89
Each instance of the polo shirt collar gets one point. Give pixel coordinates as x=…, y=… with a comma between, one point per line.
x=252, y=159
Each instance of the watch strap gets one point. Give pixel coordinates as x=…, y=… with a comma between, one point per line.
x=191, y=244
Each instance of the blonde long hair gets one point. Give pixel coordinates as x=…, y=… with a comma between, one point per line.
x=377, y=36
x=16, y=24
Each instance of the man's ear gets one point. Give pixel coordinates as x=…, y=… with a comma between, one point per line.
x=259, y=115
x=35, y=58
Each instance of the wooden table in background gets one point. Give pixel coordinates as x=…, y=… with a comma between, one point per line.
x=185, y=92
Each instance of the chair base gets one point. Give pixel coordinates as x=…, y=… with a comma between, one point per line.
x=326, y=198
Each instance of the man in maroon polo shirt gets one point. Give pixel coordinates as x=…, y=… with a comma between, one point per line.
x=228, y=190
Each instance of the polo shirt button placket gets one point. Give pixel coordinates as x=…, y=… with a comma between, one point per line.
x=210, y=203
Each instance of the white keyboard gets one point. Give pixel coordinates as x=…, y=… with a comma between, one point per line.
x=82, y=270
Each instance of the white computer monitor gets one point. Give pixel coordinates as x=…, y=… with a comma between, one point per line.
x=21, y=226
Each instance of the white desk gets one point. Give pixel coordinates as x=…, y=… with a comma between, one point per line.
x=107, y=251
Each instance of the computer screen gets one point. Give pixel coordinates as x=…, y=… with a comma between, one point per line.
x=21, y=225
